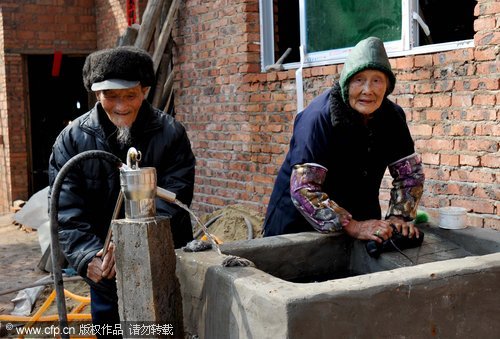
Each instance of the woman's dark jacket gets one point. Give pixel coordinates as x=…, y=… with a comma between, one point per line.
x=330, y=133
x=89, y=193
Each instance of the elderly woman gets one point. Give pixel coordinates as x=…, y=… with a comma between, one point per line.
x=342, y=144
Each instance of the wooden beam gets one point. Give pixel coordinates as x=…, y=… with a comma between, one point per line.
x=128, y=38
x=161, y=77
x=165, y=34
x=167, y=90
x=150, y=17
x=167, y=105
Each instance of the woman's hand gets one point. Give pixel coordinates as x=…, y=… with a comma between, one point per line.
x=102, y=268
x=407, y=229
x=378, y=230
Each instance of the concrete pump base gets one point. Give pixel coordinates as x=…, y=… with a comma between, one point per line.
x=451, y=292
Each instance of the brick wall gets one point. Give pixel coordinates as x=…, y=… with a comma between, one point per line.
x=40, y=27
x=111, y=20
x=240, y=120
x=5, y=191
x=222, y=98
x=16, y=126
x=32, y=27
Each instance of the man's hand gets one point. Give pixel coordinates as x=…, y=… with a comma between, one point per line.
x=100, y=268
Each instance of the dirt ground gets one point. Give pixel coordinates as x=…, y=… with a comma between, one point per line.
x=232, y=222
x=20, y=254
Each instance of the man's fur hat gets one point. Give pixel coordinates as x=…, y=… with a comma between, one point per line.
x=122, y=65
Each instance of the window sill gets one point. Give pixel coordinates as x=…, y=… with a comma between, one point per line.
x=341, y=55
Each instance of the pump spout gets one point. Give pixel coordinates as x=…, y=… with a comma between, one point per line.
x=133, y=158
x=165, y=194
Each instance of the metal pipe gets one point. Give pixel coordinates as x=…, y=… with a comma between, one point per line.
x=38, y=283
x=54, y=228
x=166, y=195
x=118, y=206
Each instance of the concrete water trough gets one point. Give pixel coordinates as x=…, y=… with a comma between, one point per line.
x=311, y=285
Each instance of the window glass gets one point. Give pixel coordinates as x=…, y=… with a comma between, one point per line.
x=445, y=26
x=328, y=28
x=343, y=23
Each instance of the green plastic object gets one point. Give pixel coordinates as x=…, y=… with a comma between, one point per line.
x=422, y=217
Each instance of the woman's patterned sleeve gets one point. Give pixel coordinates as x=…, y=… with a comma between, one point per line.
x=307, y=196
x=407, y=188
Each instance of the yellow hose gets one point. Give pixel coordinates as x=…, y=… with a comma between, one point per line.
x=52, y=317
x=74, y=315
x=42, y=309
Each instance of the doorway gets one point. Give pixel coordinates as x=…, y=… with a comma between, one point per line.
x=54, y=101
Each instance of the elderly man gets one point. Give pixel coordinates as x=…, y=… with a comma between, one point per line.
x=122, y=118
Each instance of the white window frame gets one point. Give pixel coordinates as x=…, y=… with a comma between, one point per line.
x=403, y=47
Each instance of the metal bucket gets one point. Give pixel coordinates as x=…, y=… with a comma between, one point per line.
x=139, y=191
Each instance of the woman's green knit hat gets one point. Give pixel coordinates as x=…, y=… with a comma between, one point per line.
x=367, y=54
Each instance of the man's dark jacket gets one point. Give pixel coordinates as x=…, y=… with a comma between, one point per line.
x=89, y=193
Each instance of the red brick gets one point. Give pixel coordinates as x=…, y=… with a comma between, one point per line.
x=420, y=74
x=487, y=192
x=484, y=99
x=481, y=145
x=434, y=114
x=469, y=160
x=487, y=8
x=404, y=101
x=477, y=176
x=421, y=101
x=484, y=53
x=487, y=68
x=490, y=160
x=430, y=158
x=437, y=173
x=422, y=130
x=424, y=88
x=404, y=63
x=475, y=206
x=461, y=100
x=441, y=101
x=423, y=60
x=440, y=144
x=491, y=222
x=461, y=129
x=484, y=38
x=449, y=159
x=481, y=114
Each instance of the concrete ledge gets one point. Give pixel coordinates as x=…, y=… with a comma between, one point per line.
x=446, y=298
